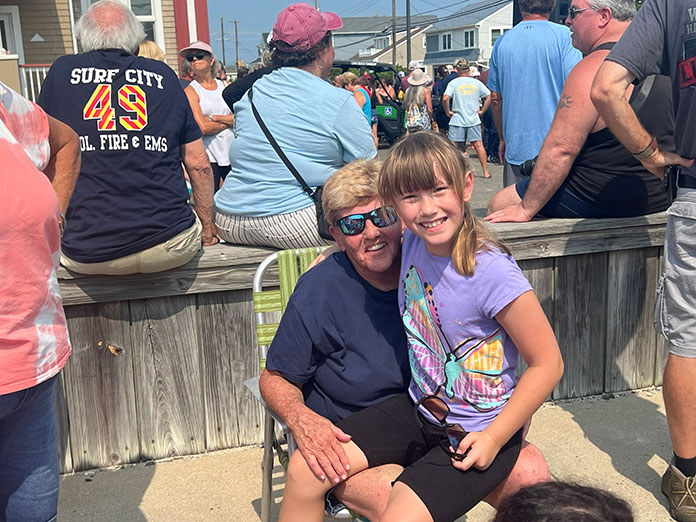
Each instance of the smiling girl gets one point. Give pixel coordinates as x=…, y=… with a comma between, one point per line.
x=468, y=312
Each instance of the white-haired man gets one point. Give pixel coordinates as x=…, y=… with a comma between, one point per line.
x=129, y=212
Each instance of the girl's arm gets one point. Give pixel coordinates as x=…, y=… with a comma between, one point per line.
x=525, y=323
x=428, y=100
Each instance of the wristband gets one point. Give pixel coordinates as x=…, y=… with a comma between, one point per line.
x=647, y=151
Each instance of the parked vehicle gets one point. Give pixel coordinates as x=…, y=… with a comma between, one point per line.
x=390, y=113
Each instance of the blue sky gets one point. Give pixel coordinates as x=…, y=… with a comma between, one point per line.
x=257, y=16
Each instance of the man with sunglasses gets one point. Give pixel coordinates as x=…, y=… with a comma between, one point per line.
x=129, y=212
x=528, y=66
x=582, y=170
x=662, y=39
x=341, y=346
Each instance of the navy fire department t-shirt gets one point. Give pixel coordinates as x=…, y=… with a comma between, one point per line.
x=131, y=116
x=342, y=339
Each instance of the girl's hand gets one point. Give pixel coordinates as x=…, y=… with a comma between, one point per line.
x=482, y=451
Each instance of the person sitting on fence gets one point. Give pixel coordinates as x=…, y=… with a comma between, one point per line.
x=582, y=170
x=341, y=347
x=317, y=127
x=129, y=212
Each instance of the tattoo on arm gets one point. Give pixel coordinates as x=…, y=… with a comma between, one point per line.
x=564, y=103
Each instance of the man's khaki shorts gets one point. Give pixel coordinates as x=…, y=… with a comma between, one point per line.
x=174, y=252
x=675, y=306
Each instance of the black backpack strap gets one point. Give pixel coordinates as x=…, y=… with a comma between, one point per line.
x=311, y=193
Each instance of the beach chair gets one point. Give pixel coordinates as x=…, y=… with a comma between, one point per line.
x=268, y=306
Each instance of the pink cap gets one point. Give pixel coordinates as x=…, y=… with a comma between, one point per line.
x=196, y=46
x=300, y=27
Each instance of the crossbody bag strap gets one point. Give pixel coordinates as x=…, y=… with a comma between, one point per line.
x=277, y=148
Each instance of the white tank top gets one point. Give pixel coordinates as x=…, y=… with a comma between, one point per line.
x=216, y=145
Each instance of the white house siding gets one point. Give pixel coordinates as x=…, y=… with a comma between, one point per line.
x=502, y=20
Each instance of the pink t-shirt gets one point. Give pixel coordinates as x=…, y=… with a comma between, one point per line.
x=34, y=343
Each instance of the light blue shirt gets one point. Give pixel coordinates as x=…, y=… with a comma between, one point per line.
x=319, y=128
x=466, y=94
x=529, y=65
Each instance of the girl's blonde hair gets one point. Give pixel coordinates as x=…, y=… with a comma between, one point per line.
x=411, y=166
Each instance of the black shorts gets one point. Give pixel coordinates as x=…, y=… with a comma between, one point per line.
x=389, y=433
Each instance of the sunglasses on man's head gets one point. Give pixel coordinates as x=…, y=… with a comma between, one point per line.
x=355, y=223
x=574, y=11
x=197, y=56
x=455, y=433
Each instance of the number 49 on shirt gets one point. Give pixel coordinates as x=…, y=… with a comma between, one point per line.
x=131, y=98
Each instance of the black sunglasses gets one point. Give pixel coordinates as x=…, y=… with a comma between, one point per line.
x=455, y=433
x=355, y=223
x=197, y=56
x=574, y=11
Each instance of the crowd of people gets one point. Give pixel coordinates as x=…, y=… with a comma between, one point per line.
x=412, y=409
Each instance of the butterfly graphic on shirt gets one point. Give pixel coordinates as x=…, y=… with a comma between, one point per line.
x=470, y=372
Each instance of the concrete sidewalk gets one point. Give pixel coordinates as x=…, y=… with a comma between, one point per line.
x=619, y=443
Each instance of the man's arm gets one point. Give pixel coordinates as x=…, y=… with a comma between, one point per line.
x=317, y=438
x=486, y=104
x=575, y=116
x=64, y=165
x=497, y=108
x=607, y=95
x=201, y=175
x=446, y=105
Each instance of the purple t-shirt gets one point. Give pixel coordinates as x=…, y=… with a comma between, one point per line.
x=457, y=349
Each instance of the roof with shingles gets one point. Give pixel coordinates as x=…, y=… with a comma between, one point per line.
x=375, y=24
x=471, y=14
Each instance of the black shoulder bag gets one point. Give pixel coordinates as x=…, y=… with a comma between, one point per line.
x=322, y=224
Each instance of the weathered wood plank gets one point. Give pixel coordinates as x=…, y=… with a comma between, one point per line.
x=165, y=284
x=168, y=380
x=229, y=357
x=580, y=323
x=99, y=386
x=545, y=227
x=592, y=241
x=60, y=404
x=540, y=273
x=631, y=343
x=230, y=267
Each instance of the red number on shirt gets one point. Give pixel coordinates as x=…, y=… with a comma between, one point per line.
x=131, y=98
x=99, y=108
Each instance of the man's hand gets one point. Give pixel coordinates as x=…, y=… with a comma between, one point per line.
x=482, y=451
x=511, y=214
x=657, y=162
x=319, y=441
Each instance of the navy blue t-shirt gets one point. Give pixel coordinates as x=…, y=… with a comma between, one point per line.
x=342, y=340
x=132, y=116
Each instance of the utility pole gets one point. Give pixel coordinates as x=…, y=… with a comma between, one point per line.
x=222, y=38
x=408, y=31
x=393, y=31
x=236, y=44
